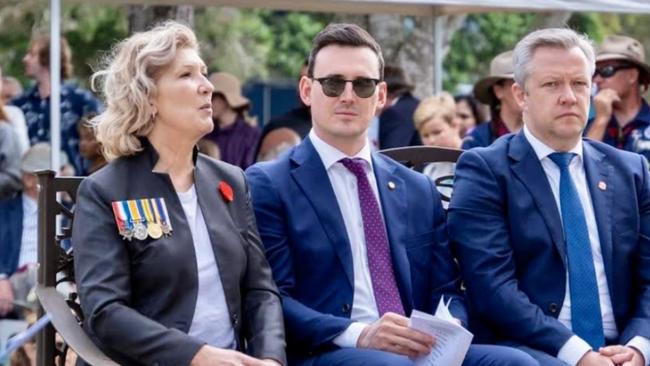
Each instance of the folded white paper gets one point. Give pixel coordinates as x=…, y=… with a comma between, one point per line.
x=452, y=340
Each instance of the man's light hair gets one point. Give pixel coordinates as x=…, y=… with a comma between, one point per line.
x=562, y=38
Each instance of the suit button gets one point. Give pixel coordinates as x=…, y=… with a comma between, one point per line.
x=346, y=308
x=235, y=319
x=553, y=308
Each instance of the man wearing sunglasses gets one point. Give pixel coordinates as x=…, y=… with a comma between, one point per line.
x=356, y=240
x=622, y=76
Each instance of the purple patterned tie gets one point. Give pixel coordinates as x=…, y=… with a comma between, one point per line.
x=381, y=267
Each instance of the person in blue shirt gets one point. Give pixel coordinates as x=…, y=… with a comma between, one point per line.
x=622, y=117
x=35, y=101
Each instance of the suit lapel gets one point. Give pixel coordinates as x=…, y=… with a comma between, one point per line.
x=221, y=229
x=601, y=190
x=393, y=204
x=310, y=175
x=528, y=169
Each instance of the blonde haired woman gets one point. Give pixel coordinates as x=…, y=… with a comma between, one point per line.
x=167, y=256
x=436, y=122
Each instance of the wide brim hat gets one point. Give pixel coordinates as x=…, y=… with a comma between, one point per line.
x=501, y=68
x=37, y=158
x=626, y=49
x=230, y=87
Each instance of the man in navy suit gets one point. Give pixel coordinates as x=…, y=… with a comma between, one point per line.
x=356, y=241
x=396, y=126
x=552, y=231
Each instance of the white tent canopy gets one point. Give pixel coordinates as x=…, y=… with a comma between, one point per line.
x=402, y=7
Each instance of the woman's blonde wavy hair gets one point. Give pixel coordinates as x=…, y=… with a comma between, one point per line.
x=128, y=80
x=440, y=105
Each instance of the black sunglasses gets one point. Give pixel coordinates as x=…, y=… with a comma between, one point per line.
x=609, y=70
x=334, y=86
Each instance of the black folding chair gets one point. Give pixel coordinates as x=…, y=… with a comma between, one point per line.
x=418, y=157
x=57, y=266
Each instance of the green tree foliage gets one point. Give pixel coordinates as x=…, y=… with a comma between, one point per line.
x=247, y=43
x=89, y=29
x=256, y=43
x=270, y=44
x=18, y=19
x=92, y=31
x=292, y=42
x=638, y=27
x=235, y=41
x=482, y=37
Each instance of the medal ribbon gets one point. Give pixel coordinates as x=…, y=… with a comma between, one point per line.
x=127, y=214
x=151, y=203
x=162, y=207
x=119, y=217
x=141, y=212
x=147, y=211
x=133, y=210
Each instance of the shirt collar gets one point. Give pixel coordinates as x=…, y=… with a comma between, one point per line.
x=330, y=155
x=29, y=204
x=542, y=150
x=644, y=112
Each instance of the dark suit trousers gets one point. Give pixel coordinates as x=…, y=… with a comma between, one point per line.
x=478, y=355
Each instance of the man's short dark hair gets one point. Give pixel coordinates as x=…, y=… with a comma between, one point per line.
x=342, y=34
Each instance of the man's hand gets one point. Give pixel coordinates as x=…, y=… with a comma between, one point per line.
x=6, y=297
x=592, y=358
x=604, y=103
x=623, y=355
x=271, y=362
x=212, y=356
x=391, y=333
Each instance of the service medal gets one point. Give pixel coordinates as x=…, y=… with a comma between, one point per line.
x=154, y=230
x=140, y=231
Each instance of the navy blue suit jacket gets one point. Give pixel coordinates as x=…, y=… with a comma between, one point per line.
x=480, y=136
x=507, y=230
x=307, y=246
x=11, y=233
x=396, y=126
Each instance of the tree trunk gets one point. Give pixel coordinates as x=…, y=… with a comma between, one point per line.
x=408, y=42
x=143, y=17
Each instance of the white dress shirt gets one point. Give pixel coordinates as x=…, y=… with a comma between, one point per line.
x=344, y=183
x=576, y=347
x=373, y=133
x=211, y=321
x=28, y=242
x=16, y=118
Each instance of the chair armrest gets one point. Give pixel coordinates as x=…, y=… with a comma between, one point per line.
x=67, y=326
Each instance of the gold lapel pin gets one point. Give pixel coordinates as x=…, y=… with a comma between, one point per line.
x=602, y=185
x=391, y=185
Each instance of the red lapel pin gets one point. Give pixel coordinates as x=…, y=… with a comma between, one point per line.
x=226, y=191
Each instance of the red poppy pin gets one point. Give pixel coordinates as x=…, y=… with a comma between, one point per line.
x=226, y=191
